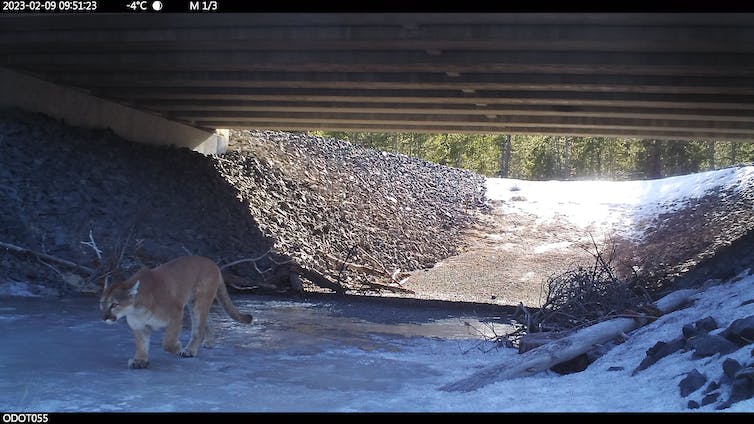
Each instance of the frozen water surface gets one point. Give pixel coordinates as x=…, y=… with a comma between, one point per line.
x=337, y=355
x=321, y=355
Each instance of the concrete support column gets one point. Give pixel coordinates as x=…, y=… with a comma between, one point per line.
x=78, y=108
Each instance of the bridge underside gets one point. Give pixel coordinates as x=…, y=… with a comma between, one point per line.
x=664, y=76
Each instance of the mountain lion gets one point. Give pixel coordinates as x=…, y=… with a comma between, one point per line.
x=153, y=299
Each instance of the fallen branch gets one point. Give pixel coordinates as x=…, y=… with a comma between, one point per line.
x=396, y=276
x=375, y=272
x=394, y=289
x=254, y=260
x=292, y=272
x=317, y=278
x=343, y=266
x=548, y=355
x=356, y=267
x=24, y=251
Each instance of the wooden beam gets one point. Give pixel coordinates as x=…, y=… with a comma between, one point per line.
x=142, y=21
x=556, y=131
x=588, y=62
x=387, y=35
x=408, y=81
x=195, y=108
x=744, y=127
x=671, y=75
x=487, y=97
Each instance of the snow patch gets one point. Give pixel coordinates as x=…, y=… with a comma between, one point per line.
x=552, y=246
x=602, y=205
x=23, y=289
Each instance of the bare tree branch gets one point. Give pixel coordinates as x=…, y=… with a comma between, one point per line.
x=61, y=261
x=240, y=261
x=91, y=243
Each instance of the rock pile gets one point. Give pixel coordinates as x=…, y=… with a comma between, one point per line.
x=59, y=185
x=338, y=215
x=736, y=381
x=356, y=216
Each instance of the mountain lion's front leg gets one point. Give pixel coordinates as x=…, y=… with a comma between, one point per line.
x=141, y=357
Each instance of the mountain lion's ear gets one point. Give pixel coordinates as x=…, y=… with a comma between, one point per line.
x=134, y=289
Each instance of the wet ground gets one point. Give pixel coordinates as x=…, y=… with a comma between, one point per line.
x=322, y=353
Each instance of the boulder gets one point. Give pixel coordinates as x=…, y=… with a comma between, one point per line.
x=692, y=382
x=711, y=344
x=740, y=331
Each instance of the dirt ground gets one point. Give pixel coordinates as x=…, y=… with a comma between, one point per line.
x=509, y=257
x=507, y=260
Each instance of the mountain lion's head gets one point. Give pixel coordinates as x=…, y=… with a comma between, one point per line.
x=117, y=301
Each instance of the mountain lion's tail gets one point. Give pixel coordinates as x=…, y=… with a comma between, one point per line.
x=224, y=298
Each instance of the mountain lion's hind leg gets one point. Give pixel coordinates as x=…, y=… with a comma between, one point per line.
x=209, y=334
x=170, y=340
x=199, y=312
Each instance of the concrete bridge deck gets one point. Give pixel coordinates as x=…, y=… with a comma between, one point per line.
x=648, y=75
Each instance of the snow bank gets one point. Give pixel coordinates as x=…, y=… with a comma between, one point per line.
x=610, y=204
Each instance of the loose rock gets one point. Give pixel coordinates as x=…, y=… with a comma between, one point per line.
x=692, y=382
x=740, y=331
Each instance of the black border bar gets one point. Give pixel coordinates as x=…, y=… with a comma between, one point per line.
x=383, y=6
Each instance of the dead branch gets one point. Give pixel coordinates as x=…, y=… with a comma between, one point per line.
x=356, y=267
x=61, y=261
x=254, y=260
x=294, y=271
x=254, y=263
x=584, y=295
x=548, y=355
x=371, y=271
x=57, y=271
x=372, y=259
x=395, y=289
x=343, y=265
x=396, y=276
x=243, y=284
x=110, y=265
x=317, y=278
x=91, y=243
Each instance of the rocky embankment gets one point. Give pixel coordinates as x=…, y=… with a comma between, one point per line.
x=356, y=216
x=341, y=216
x=707, y=238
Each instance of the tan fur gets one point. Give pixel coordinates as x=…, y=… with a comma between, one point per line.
x=153, y=299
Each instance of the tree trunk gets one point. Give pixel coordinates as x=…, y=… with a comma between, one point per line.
x=566, y=159
x=655, y=160
x=505, y=157
x=733, y=151
x=546, y=356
